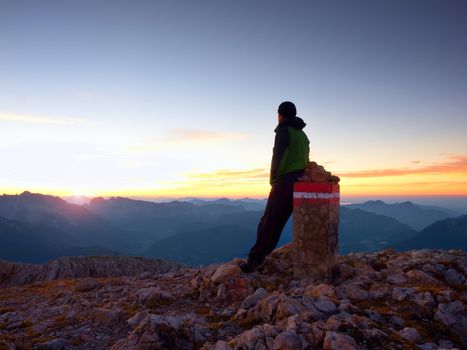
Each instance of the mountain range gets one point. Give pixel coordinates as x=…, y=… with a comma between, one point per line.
x=415, y=215
x=36, y=228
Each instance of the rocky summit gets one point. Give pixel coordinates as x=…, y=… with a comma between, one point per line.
x=383, y=300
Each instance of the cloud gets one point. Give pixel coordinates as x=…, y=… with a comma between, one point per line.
x=40, y=120
x=455, y=163
x=259, y=174
x=184, y=134
x=183, y=137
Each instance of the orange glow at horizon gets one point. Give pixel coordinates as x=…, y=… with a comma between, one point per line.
x=210, y=186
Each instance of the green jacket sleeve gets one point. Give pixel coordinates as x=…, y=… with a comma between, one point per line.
x=281, y=141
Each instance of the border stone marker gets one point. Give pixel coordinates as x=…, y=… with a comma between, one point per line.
x=316, y=226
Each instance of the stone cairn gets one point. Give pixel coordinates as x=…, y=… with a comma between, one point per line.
x=315, y=223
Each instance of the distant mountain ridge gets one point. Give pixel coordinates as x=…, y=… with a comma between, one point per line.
x=77, y=221
x=415, y=215
x=444, y=234
x=36, y=228
x=362, y=231
x=202, y=246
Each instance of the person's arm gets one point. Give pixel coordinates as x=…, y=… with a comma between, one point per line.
x=281, y=142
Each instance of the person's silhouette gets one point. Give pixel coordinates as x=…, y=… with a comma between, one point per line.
x=289, y=160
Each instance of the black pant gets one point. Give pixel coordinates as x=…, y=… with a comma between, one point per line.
x=277, y=212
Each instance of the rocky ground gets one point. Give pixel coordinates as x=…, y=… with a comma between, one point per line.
x=383, y=300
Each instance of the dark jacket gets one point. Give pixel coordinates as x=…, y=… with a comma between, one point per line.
x=291, y=149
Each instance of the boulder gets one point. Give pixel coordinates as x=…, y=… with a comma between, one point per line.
x=454, y=278
x=137, y=318
x=87, y=284
x=421, y=278
x=222, y=345
x=338, y=341
x=54, y=344
x=289, y=306
x=254, y=298
x=107, y=316
x=410, y=334
x=287, y=340
x=151, y=295
x=451, y=313
x=225, y=272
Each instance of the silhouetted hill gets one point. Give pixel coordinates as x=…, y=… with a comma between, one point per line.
x=75, y=220
x=201, y=246
x=246, y=203
x=444, y=234
x=38, y=243
x=233, y=235
x=133, y=227
x=31, y=243
x=149, y=221
x=414, y=215
x=363, y=231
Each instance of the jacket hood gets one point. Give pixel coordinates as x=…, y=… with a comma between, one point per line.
x=295, y=122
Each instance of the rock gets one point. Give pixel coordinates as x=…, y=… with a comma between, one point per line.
x=225, y=272
x=222, y=292
x=269, y=330
x=411, y=335
x=145, y=275
x=433, y=268
x=400, y=294
x=289, y=306
x=374, y=334
x=249, y=338
x=379, y=292
x=453, y=278
x=374, y=316
x=446, y=344
x=261, y=345
x=429, y=346
x=325, y=306
x=337, y=341
x=445, y=296
x=425, y=300
x=106, y=316
x=321, y=291
x=347, y=306
x=153, y=295
x=254, y=298
x=267, y=308
x=421, y=278
x=54, y=344
x=396, y=277
x=81, y=267
x=355, y=293
x=397, y=322
x=137, y=318
x=450, y=313
x=287, y=340
x=222, y=345
x=87, y=284
x=362, y=322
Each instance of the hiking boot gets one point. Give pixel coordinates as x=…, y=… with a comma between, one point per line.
x=250, y=265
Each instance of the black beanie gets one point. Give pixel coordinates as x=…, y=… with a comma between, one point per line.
x=287, y=110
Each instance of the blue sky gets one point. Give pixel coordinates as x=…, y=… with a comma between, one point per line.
x=149, y=97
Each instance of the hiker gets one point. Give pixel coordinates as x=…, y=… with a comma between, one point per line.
x=289, y=160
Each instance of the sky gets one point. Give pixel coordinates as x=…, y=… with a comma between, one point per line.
x=179, y=98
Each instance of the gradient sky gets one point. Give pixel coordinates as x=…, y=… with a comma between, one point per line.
x=179, y=98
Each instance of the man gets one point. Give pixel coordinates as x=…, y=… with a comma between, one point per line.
x=289, y=159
